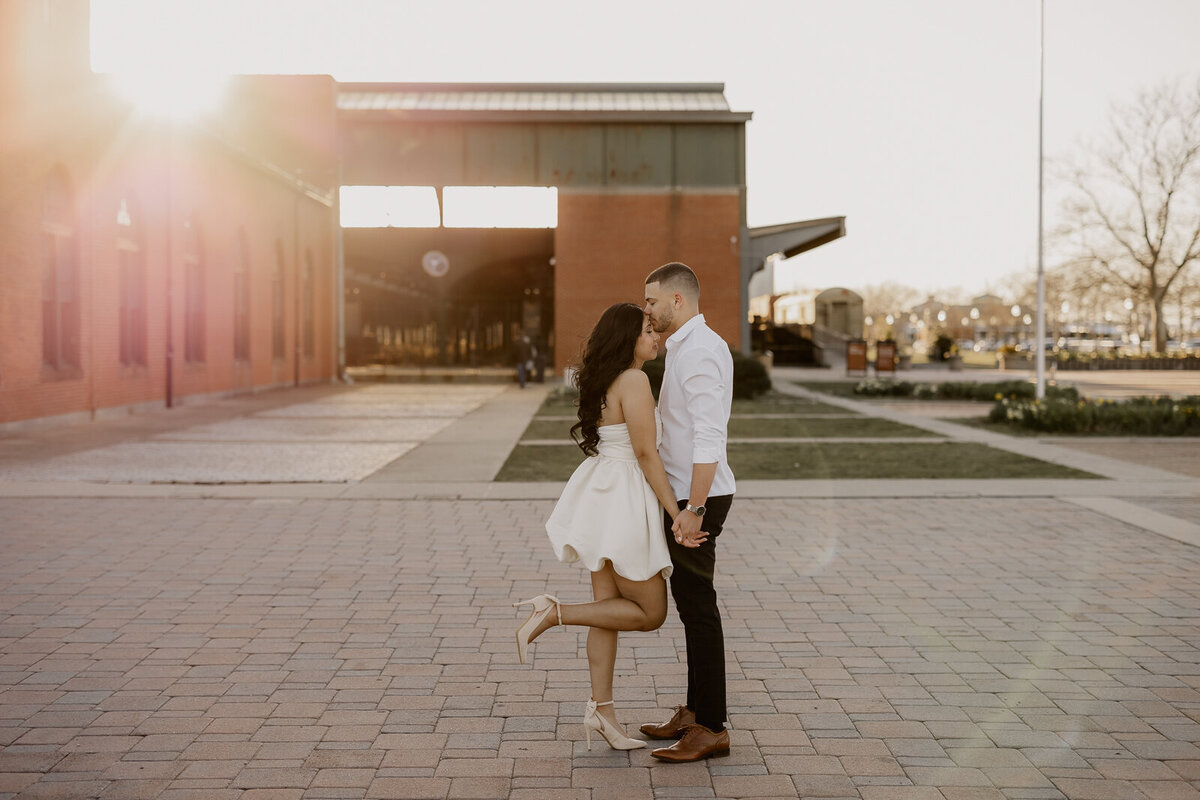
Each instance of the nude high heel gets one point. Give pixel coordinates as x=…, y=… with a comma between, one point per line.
x=541, y=608
x=593, y=721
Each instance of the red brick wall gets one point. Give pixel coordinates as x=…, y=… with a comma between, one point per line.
x=48, y=117
x=110, y=154
x=606, y=244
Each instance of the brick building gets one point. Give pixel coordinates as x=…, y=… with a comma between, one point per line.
x=644, y=174
x=144, y=261
x=148, y=261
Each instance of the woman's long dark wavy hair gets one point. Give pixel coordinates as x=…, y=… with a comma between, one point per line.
x=608, y=353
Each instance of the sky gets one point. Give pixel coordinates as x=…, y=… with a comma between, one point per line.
x=917, y=120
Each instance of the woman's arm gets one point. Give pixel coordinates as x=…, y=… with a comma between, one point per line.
x=637, y=405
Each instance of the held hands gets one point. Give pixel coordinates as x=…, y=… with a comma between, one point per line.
x=686, y=530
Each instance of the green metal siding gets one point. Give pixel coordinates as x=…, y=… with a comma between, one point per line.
x=706, y=155
x=637, y=155
x=570, y=155
x=412, y=154
x=544, y=154
x=500, y=155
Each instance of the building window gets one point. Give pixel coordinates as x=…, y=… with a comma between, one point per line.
x=277, y=344
x=193, y=281
x=309, y=306
x=131, y=286
x=60, y=274
x=241, y=300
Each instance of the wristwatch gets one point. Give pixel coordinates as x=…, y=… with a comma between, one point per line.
x=697, y=510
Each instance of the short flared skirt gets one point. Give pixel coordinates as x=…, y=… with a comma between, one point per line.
x=608, y=512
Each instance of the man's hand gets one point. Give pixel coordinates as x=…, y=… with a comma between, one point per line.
x=687, y=530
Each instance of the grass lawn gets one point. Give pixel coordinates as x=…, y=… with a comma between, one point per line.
x=821, y=461
x=797, y=427
x=836, y=388
x=879, y=460
x=775, y=403
x=559, y=403
x=563, y=405
x=548, y=463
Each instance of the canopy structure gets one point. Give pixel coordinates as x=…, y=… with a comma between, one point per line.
x=792, y=238
x=788, y=239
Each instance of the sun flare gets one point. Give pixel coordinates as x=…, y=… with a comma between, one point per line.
x=162, y=93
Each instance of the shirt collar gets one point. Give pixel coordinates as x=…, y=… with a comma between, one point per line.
x=685, y=330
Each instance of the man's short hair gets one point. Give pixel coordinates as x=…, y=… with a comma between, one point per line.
x=676, y=276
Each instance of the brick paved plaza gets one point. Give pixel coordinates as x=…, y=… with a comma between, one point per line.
x=288, y=644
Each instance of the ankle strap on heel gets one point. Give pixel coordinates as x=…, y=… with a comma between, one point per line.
x=605, y=703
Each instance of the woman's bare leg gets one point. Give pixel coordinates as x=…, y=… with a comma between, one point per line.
x=602, y=646
x=619, y=605
x=639, y=606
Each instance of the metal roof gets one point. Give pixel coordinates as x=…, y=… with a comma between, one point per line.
x=698, y=102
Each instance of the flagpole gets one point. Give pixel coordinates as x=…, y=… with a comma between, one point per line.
x=1041, y=274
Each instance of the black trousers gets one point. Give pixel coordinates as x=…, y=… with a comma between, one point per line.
x=696, y=601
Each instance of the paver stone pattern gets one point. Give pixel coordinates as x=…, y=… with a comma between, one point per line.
x=877, y=649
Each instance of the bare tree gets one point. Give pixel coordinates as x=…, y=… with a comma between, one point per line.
x=1133, y=209
x=888, y=297
x=1187, y=301
x=885, y=298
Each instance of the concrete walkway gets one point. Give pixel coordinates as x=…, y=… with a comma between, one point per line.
x=320, y=625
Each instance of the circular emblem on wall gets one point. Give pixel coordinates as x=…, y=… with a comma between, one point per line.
x=435, y=263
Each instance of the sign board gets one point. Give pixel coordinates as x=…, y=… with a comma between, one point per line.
x=885, y=357
x=856, y=357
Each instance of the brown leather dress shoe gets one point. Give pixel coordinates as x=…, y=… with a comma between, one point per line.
x=673, y=728
x=698, y=742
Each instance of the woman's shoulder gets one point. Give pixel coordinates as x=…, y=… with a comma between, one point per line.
x=632, y=378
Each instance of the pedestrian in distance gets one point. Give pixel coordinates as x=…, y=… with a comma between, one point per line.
x=523, y=353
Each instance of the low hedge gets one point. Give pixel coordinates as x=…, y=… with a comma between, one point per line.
x=1137, y=416
x=750, y=377
x=961, y=390
x=1078, y=361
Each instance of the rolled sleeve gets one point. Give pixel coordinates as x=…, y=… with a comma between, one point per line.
x=703, y=389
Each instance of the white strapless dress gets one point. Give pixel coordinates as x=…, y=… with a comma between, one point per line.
x=608, y=512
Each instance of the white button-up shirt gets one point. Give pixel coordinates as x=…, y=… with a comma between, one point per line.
x=694, y=405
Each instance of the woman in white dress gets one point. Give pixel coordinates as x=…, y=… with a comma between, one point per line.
x=609, y=517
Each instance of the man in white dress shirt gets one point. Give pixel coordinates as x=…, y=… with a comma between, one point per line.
x=694, y=404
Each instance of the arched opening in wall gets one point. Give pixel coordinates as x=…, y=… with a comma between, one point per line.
x=241, y=299
x=131, y=283
x=194, y=306
x=60, y=274
x=278, y=353
x=452, y=295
